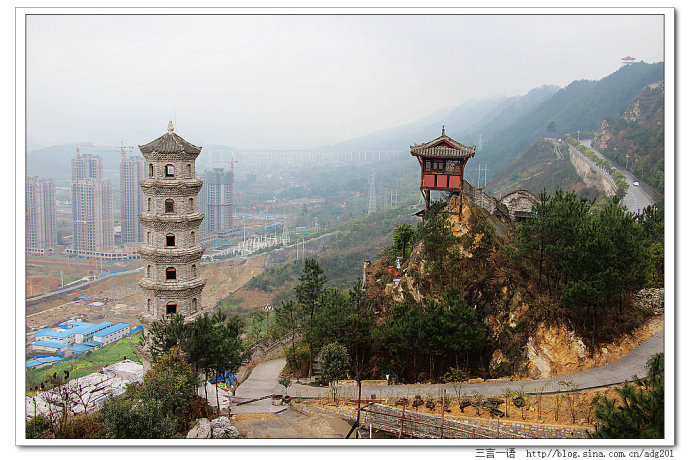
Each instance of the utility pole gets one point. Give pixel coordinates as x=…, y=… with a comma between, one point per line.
x=371, y=207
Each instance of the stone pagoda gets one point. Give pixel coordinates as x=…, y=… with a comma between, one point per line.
x=442, y=162
x=171, y=220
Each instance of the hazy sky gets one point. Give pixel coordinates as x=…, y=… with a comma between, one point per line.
x=299, y=81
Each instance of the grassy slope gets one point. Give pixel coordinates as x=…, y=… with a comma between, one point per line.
x=87, y=363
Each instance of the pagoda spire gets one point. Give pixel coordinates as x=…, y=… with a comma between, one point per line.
x=170, y=126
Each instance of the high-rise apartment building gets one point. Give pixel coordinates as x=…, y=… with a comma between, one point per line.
x=92, y=208
x=132, y=170
x=216, y=202
x=41, y=222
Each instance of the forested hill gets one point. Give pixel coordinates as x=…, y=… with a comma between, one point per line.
x=582, y=105
x=638, y=136
x=508, y=125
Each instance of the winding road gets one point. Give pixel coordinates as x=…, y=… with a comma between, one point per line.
x=264, y=381
x=638, y=197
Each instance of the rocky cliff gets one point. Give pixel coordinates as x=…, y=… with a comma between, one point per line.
x=635, y=140
x=522, y=341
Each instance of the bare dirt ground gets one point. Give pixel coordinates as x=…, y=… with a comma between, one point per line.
x=290, y=424
x=226, y=277
x=122, y=297
x=563, y=410
x=250, y=299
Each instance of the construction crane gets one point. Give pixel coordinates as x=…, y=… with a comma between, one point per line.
x=122, y=148
x=232, y=164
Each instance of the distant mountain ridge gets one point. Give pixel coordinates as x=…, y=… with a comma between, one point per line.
x=463, y=123
x=636, y=134
x=582, y=105
x=508, y=125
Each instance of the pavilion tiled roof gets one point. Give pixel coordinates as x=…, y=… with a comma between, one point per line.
x=456, y=149
x=169, y=143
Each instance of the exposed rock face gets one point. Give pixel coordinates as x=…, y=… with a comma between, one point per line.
x=590, y=175
x=601, y=139
x=554, y=351
x=202, y=430
x=500, y=363
x=221, y=428
x=652, y=299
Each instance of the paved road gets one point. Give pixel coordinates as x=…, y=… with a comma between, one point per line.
x=638, y=197
x=264, y=381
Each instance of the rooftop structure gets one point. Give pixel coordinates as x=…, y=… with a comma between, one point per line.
x=442, y=163
x=72, y=333
x=627, y=60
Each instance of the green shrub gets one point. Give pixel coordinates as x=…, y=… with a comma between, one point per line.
x=37, y=426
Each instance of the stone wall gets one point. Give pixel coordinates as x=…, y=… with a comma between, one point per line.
x=261, y=351
x=519, y=203
x=591, y=175
x=480, y=198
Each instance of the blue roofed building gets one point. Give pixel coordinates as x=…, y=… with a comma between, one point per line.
x=41, y=361
x=49, y=346
x=66, y=335
x=82, y=348
x=112, y=333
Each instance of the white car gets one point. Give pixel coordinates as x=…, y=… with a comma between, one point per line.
x=636, y=184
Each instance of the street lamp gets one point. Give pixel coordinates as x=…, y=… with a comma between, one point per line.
x=267, y=309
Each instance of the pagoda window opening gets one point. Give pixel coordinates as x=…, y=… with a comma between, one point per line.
x=148, y=271
x=453, y=166
x=192, y=238
x=191, y=205
x=438, y=165
x=171, y=308
x=427, y=165
x=189, y=170
x=193, y=271
x=195, y=304
x=169, y=206
x=150, y=170
x=170, y=240
x=149, y=205
x=170, y=273
x=169, y=171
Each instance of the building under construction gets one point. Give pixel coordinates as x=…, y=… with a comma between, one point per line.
x=92, y=207
x=41, y=226
x=216, y=202
x=132, y=170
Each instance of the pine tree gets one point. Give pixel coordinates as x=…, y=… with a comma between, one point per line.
x=308, y=292
x=640, y=414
